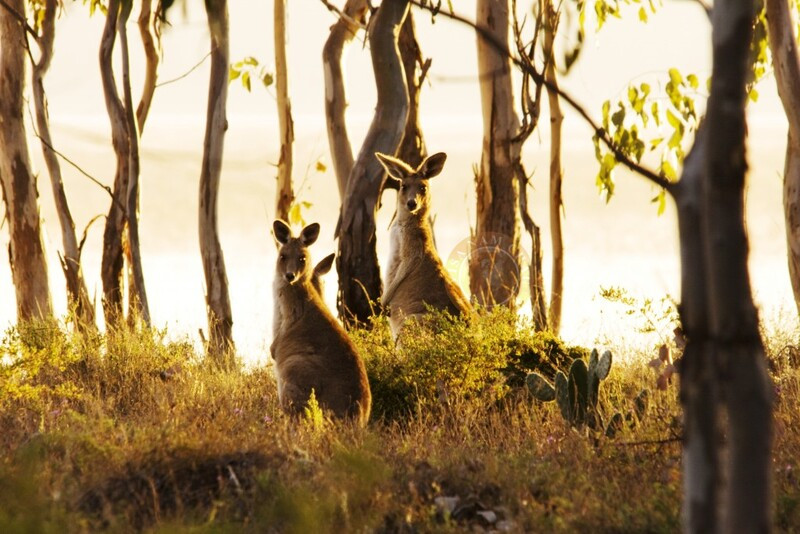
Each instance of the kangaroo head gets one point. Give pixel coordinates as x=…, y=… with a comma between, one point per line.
x=413, y=198
x=294, y=261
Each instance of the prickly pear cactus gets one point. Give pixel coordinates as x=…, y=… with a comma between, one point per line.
x=576, y=393
x=540, y=388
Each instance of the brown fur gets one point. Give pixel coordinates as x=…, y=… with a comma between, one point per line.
x=416, y=277
x=310, y=348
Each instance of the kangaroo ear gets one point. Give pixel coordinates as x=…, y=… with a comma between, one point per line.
x=432, y=165
x=394, y=167
x=324, y=266
x=309, y=234
x=282, y=231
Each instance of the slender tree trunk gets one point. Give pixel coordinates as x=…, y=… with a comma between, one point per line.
x=342, y=33
x=220, y=318
x=148, y=30
x=357, y=261
x=26, y=250
x=699, y=391
x=495, y=257
x=139, y=293
x=113, y=258
x=556, y=119
x=791, y=211
x=736, y=342
x=77, y=293
x=785, y=59
x=285, y=195
x=412, y=148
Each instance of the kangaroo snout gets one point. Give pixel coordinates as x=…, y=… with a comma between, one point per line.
x=290, y=277
x=412, y=204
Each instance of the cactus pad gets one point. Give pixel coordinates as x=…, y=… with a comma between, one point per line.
x=540, y=388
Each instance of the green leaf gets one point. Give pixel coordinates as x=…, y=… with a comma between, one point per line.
x=267, y=79
x=321, y=166
x=693, y=81
x=246, y=80
x=295, y=215
x=654, y=113
x=753, y=94
x=642, y=14
x=673, y=120
x=250, y=60
x=675, y=76
x=233, y=74
x=668, y=171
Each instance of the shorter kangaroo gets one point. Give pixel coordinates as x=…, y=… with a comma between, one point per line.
x=311, y=350
x=416, y=277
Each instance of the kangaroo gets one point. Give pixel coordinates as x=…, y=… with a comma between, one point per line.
x=415, y=275
x=310, y=348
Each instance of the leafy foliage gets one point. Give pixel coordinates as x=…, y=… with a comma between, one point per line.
x=247, y=69
x=446, y=359
x=672, y=117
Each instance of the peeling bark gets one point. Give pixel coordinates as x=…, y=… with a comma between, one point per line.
x=342, y=33
x=77, y=293
x=357, y=262
x=785, y=59
x=285, y=195
x=26, y=248
x=495, y=255
x=220, y=318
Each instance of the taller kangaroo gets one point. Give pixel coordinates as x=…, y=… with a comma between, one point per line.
x=416, y=277
x=310, y=348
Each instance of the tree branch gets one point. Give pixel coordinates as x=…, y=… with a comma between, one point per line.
x=342, y=15
x=537, y=76
x=21, y=18
x=188, y=72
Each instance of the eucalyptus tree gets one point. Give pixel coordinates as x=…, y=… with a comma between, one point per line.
x=494, y=261
x=725, y=388
x=218, y=305
x=786, y=63
x=26, y=247
x=357, y=263
x=77, y=294
x=123, y=220
x=285, y=194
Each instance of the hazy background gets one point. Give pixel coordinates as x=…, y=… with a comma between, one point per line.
x=623, y=243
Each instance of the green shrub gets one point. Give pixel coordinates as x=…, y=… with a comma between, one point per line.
x=444, y=357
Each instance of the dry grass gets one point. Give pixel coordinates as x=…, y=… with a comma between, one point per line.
x=128, y=432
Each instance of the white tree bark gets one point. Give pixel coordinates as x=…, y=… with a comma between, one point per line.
x=26, y=250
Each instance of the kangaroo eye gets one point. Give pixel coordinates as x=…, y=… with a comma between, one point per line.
x=282, y=257
x=403, y=187
x=422, y=189
x=302, y=259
